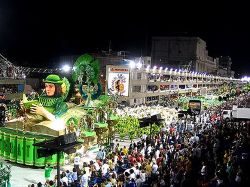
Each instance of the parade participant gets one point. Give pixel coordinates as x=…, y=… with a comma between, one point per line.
x=51, y=102
x=47, y=172
x=48, y=107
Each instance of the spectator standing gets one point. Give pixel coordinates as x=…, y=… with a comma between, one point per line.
x=84, y=180
x=77, y=162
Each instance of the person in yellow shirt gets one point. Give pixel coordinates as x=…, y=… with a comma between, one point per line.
x=110, y=163
x=148, y=168
x=125, y=150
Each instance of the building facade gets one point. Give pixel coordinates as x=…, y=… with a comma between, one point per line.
x=182, y=52
x=154, y=85
x=224, y=66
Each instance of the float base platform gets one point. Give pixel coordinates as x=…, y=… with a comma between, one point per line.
x=17, y=146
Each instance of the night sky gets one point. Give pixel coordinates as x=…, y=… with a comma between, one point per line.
x=35, y=33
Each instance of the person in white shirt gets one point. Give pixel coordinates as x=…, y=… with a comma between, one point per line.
x=143, y=175
x=86, y=168
x=84, y=180
x=64, y=178
x=115, y=159
x=138, y=181
x=139, y=164
x=132, y=174
x=97, y=167
x=164, y=129
x=154, y=168
x=143, y=152
x=128, y=170
x=203, y=171
x=74, y=175
x=105, y=168
x=149, y=149
x=157, y=153
x=77, y=162
x=137, y=171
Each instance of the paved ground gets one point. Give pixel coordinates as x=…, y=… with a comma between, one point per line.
x=22, y=176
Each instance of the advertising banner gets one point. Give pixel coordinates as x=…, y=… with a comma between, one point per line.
x=118, y=81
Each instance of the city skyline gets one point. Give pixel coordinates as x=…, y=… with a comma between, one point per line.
x=36, y=34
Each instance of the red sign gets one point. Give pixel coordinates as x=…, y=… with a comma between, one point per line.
x=119, y=69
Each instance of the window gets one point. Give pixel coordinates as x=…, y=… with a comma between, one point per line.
x=225, y=112
x=138, y=76
x=136, y=89
x=181, y=86
x=174, y=87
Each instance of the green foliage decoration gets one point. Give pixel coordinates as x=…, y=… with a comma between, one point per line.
x=129, y=126
x=86, y=69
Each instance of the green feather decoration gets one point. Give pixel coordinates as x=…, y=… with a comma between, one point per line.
x=86, y=68
x=81, y=64
x=67, y=84
x=96, y=68
x=87, y=71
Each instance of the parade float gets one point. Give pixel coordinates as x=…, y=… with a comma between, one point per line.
x=206, y=102
x=35, y=121
x=49, y=115
x=225, y=92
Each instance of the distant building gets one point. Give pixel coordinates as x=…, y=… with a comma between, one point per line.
x=224, y=66
x=183, y=52
x=108, y=58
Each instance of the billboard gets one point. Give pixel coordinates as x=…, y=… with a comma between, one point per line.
x=118, y=81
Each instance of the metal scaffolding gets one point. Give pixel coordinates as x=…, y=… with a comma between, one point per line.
x=8, y=69
x=28, y=70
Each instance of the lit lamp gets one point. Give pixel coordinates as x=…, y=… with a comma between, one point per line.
x=66, y=68
x=132, y=64
x=139, y=65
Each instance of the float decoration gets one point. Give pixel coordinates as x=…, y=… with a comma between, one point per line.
x=42, y=119
x=86, y=72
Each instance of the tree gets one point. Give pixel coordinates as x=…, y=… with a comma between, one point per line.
x=128, y=126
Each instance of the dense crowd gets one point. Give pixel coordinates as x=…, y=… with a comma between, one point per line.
x=8, y=89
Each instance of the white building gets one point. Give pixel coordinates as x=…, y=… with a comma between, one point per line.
x=140, y=84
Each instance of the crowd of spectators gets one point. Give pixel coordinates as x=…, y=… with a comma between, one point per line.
x=8, y=89
x=11, y=72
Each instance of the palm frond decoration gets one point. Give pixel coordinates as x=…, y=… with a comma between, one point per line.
x=86, y=69
x=86, y=72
